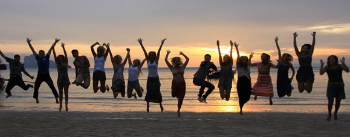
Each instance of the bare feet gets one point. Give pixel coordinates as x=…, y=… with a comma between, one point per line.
x=256, y=97
x=37, y=100
x=178, y=113
x=60, y=108
x=8, y=96
x=147, y=108
x=134, y=95
x=107, y=88
x=329, y=117
x=289, y=94
x=240, y=112
x=161, y=108
x=57, y=101
x=30, y=85
x=66, y=108
x=335, y=116
x=271, y=103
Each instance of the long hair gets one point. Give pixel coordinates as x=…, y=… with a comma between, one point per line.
x=336, y=60
x=173, y=61
x=229, y=60
x=266, y=60
x=308, y=47
x=117, y=57
x=241, y=64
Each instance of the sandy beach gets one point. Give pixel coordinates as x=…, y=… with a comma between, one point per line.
x=49, y=123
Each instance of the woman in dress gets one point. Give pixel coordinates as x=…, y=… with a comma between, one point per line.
x=284, y=83
x=118, y=82
x=178, y=86
x=244, y=85
x=305, y=74
x=153, y=84
x=62, y=78
x=335, y=88
x=226, y=75
x=263, y=86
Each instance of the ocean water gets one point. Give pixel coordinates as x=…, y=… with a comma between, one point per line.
x=85, y=100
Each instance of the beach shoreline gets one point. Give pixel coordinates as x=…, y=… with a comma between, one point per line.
x=79, y=123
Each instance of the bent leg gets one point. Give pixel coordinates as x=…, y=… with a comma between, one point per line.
x=308, y=86
x=301, y=86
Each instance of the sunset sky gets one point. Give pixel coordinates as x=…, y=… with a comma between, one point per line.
x=191, y=26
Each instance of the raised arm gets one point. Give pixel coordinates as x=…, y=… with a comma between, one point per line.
x=187, y=60
x=218, y=45
x=343, y=65
x=65, y=52
x=127, y=56
x=54, y=54
x=31, y=47
x=52, y=47
x=250, y=60
x=167, y=61
x=93, y=50
x=160, y=48
x=279, y=51
x=322, y=69
x=129, y=60
x=110, y=53
x=143, y=48
x=295, y=35
x=231, y=50
x=236, y=46
x=313, y=34
x=3, y=55
x=106, y=54
x=142, y=62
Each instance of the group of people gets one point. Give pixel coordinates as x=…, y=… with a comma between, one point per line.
x=263, y=86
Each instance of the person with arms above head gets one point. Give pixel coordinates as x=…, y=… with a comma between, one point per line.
x=226, y=74
x=178, y=86
x=99, y=74
x=153, y=84
x=118, y=82
x=43, y=61
x=82, y=72
x=284, y=83
x=244, y=85
x=335, y=87
x=62, y=78
x=305, y=73
x=16, y=69
x=200, y=76
x=134, y=70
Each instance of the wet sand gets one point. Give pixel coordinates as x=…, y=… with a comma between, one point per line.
x=53, y=123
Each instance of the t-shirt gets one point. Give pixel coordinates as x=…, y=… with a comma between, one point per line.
x=15, y=67
x=43, y=64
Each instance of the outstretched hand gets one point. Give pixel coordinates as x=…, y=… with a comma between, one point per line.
x=128, y=50
x=140, y=40
x=57, y=40
x=28, y=40
x=163, y=40
x=313, y=34
x=167, y=51
x=251, y=55
x=231, y=43
x=276, y=39
x=342, y=60
x=62, y=44
x=322, y=62
x=181, y=53
x=236, y=44
x=295, y=34
x=217, y=43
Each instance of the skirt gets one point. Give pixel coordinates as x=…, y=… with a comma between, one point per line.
x=263, y=87
x=335, y=90
x=284, y=87
x=63, y=80
x=153, y=90
x=305, y=73
x=244, y=87
x=178, y=89
x=118, y=84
